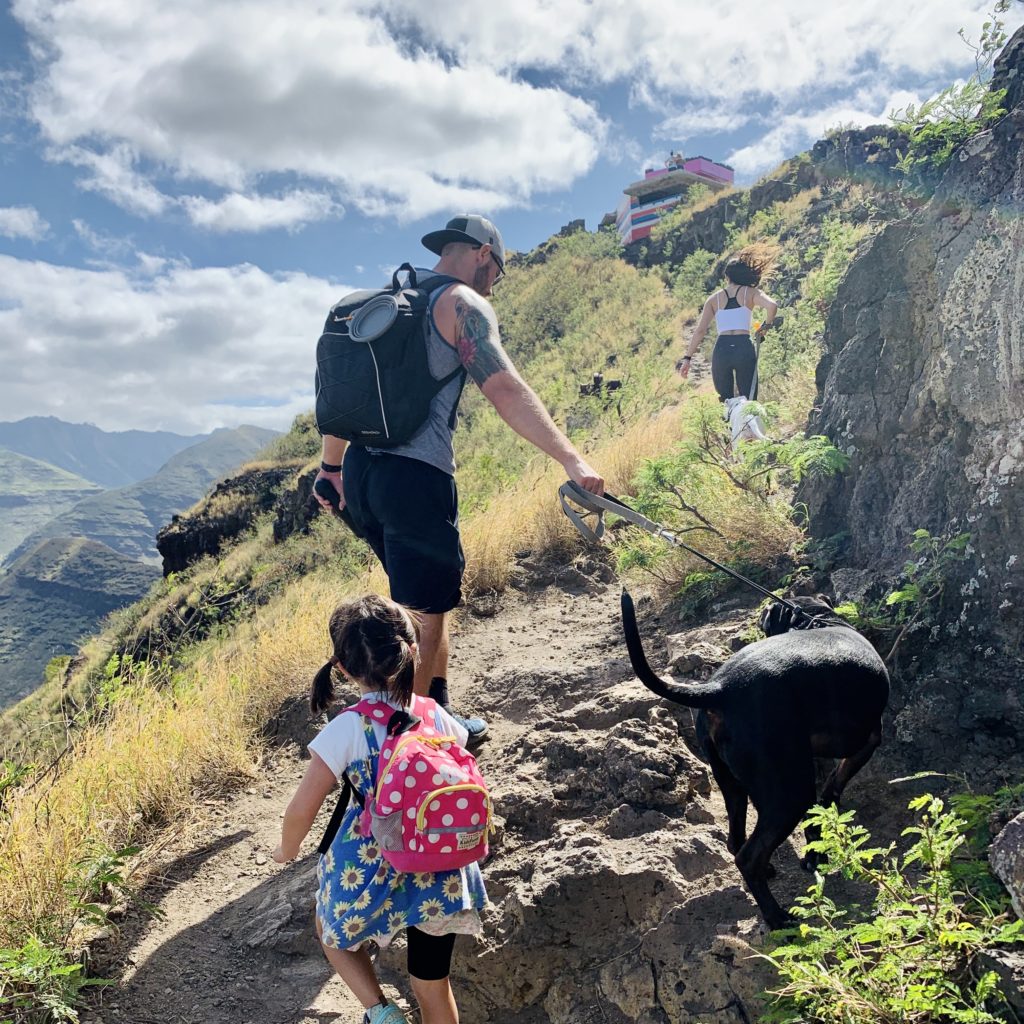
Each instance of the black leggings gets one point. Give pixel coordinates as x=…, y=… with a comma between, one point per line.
x=733, y=363
x=430, y=956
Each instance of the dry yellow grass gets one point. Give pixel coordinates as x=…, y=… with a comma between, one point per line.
x=163, y=747
x=157, y=752
x=528, y=516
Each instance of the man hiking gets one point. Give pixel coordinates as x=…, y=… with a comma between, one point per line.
x=403, y=500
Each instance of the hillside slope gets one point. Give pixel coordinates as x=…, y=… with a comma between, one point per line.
x=65, y=577
x=53, y=596
x=32, y=492
x=127, y=519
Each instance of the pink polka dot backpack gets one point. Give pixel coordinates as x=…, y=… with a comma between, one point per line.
x=430, y=809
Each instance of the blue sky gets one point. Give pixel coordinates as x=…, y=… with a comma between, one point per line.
x=186, y=186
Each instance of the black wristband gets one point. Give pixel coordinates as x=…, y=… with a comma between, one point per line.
x=328, y=468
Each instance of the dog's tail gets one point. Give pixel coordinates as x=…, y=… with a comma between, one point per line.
x=694, y=695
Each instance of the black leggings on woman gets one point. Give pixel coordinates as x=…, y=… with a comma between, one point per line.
x=733, y=364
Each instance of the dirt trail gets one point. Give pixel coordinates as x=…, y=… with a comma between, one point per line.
x=235, y=944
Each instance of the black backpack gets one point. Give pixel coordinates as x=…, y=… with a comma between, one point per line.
x=373, y=380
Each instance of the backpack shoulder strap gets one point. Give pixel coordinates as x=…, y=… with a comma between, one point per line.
x=348, y=793
x=426, y=708
x=441, y=281
x=433, y=289
x=435, y=283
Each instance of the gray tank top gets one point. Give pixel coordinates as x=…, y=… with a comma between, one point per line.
x=432, y=443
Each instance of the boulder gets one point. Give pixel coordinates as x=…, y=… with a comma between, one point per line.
x=1007, y=859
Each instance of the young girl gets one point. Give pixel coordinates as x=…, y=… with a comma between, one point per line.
x=361, y=896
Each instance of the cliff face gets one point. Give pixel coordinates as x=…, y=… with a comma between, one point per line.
x=921, y=384
x=226, y=513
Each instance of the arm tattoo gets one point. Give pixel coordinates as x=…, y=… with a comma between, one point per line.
x=477, y=342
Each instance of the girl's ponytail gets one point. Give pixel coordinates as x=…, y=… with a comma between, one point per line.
x=322, y=693
x=400, y=685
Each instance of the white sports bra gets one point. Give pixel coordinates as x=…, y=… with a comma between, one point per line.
x=732, y=316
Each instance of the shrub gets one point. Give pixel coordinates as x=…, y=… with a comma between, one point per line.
x=912, y=955
x=41, y=978
x=939, y=126
x=726, y=503
x=919, y=588
x=691, y=283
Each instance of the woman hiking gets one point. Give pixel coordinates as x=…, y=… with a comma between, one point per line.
x=362, y=897
x=734, y=358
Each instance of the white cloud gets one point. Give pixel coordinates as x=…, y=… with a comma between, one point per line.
x=669, y=48
x=236, y=212
x=159, y=346
x=22, y=222
x=712, y=119
x=406, y=109
x=112, y=173
x=109, y=247
x=226, y=93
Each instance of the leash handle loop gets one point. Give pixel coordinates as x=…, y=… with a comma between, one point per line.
x=599, y=504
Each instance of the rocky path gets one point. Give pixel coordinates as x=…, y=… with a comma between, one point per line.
x=614, y=898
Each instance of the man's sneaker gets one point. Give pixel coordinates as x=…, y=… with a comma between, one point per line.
x=476, y=727
x=384, y=1013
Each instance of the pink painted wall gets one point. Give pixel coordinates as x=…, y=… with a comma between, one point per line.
x=700, y=165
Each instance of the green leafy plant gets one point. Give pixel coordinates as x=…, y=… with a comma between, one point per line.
x=978, y=810
x=919, y=589
x=41, y=979
x=941, y=125
x=40, y=984
x=984, y=814
x=911, y=955
x=938, y=127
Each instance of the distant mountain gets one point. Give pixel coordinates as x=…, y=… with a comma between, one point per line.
x=31, y=493
x=110, y=459
x=126, y=519
x=52, y=597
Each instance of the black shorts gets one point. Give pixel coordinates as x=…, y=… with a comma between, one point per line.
x=408, y=512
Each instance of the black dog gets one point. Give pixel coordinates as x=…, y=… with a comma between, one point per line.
x=813, y=688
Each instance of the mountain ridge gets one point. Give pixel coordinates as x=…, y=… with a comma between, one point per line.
x=127, y=519
x=106, y=458
x=32, y=490
x=53, y=596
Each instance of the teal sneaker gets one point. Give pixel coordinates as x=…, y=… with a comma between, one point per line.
x=384, y=1013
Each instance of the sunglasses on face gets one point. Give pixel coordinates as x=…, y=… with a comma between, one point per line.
x=497, y=263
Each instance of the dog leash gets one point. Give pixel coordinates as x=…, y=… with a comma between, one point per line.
x=595, y=504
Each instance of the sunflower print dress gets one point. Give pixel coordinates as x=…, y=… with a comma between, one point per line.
x=362, y=897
